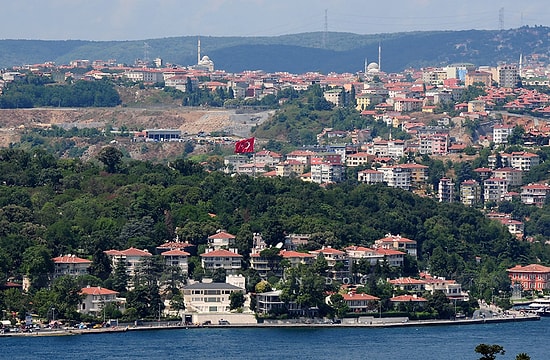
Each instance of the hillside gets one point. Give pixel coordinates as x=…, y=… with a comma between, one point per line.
x=297, y=53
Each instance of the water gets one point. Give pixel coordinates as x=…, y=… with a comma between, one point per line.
x=422, y=343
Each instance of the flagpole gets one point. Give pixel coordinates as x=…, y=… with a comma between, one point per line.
x=254, y=162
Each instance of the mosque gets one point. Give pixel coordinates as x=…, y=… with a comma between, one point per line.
x=203, y=63
x=373, y=68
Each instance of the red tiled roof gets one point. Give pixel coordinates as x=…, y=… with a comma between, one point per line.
x=70, y=259
x=389, y=252
x=406, y=298
x=174, y=245
x=175, y=252
x=221, y=253
x=407, y=281
x=222, y=235
x=356, y=296
x=391, y=239
x=294, y=254
x=97, y=290
x=532, y=268
x=329, y=251
x=128, y=252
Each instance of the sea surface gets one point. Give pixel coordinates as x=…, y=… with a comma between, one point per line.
x=410, y=343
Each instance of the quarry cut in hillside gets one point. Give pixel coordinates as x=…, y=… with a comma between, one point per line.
x=13, y=122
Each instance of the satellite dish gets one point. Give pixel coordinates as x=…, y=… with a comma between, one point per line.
x=279, y=245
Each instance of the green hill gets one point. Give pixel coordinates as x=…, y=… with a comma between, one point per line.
x=297, y=53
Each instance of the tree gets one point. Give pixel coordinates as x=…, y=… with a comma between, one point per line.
x=236, y=300
x=177, y=303
x=339, y=305
x=111, y=157
x=219, y=275
x=120, y=277
x=67, y=295
x=441, y=305
x=37, y=264
x=489, y=352
x=523, y=356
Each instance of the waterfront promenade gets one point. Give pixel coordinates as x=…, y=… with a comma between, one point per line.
x=375, y=323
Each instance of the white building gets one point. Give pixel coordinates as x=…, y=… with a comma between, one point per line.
x=323, y=173
x=70, y=265
x=370, y=176
x=494, y=189
x=208, y=297
x=230, y=261
x=501, y=133
x=177, y=258
x=396, y=177
x=95, y=299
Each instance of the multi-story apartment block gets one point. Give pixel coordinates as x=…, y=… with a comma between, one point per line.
x=335, y=96
x=535, y=194
x=419, y=173
x=494, y=189
x=232, y=162
x=177, y=258
x=524, y=161
x=434, y=144
x=95, y=299
x=514, y=176
x=515, y=227
x=221, y=240
x=445, y=191
x=338, y=262
x=470, y=193
x=392, y=148
x=70, y=265
x=144, y=75
x=303, y=156
x=230, y=261
x=359, y=159
x=396, y=177
x=131, y=257
x=270, y=158
x=289, y=168
x=476, y=106
x=519, y=160
x=531, y=277
x=472, y=77
x=324, y=173
x=507, y=75
x=356, y=253
x=406, y=104
x=363, y=101
x=397, y=242
x=370, y=176
x=501, y=133
x=209, y=297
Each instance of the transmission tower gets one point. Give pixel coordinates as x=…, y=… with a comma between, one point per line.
x=146, y=52
x=501, y=19
x=325, y=32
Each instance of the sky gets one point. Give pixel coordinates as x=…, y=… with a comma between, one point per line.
x=102, y=20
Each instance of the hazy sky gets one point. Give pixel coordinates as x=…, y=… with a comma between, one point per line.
x=148, y=19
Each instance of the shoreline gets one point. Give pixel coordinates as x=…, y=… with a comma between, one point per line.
x=380, y=323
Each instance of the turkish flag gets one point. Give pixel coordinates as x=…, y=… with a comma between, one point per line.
x=244, y=146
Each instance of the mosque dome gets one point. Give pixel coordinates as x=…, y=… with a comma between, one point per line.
x=372, y=67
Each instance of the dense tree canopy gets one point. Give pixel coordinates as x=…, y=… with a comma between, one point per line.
x=83, y=210
x=29, y=93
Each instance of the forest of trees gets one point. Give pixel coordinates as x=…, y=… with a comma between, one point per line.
x=50, y=207
x=37, y=91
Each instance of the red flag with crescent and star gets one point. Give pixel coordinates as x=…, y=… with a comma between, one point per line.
x=244, y=146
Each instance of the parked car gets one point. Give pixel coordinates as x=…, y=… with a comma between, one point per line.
x=223, y=322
